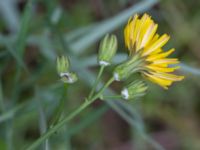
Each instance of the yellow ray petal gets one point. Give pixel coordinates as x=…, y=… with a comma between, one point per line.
x=162, y=82
x=161, y=69
x=155, y=38
x=166, y=61
x=159, y=56
x=149, y=34
x=126, y=37
x=167, y=76
x=157, y=44
x=144, y=25
x=129, y=29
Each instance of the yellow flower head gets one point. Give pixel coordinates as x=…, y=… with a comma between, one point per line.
x=141, y=38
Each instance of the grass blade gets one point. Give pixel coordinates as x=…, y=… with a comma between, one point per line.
x=109, y=25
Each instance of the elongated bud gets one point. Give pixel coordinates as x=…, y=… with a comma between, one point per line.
x=134, y=90
x=68, y=77
x=107, y=50
x=124, y=70
x=62, y=64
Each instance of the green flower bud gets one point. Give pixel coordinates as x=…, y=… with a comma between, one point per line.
x=63, y=70
x=134, y=90
x=107, y=50
x=124, y=70
x=68, y=77
x=62, y=64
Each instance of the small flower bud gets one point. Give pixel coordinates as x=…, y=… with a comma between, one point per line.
x=62, y=64
x=124, y=70
x=63, y=70
x=134, y=90
x=107, y=50
x=68, y=77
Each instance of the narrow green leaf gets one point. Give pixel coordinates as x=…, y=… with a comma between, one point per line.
x=109, y=25
x=24, y=27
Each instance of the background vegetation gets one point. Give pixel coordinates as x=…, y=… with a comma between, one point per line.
x=34, y=32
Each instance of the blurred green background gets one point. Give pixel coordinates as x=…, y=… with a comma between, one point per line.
x=34, y=32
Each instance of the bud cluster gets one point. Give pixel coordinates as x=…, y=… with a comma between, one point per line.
x=107, y=50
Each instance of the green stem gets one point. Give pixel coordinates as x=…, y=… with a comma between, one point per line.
x=59, y=125
x=103, y=88
x=60, y=107
x=70, y=117
x=96, y=81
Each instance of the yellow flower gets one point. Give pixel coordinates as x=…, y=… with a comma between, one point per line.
x=141, y=38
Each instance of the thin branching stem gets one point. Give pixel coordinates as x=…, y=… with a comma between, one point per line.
x=96, y=81
x=70, y=117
